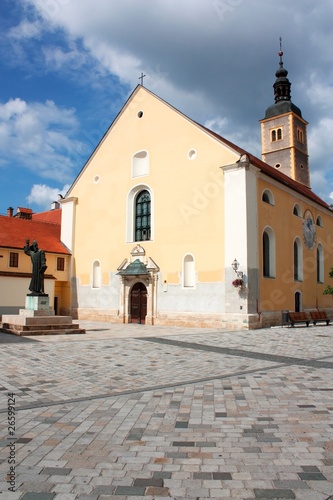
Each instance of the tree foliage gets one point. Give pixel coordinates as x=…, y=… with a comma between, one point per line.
x=329, y=289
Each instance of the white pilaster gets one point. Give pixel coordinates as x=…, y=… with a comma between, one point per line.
x=241, y=236
x=68, y=206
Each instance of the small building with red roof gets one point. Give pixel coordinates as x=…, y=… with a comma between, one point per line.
x=15, y=265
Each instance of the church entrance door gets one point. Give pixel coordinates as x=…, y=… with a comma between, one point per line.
x=138, y=303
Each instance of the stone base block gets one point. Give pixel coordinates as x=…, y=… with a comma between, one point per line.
x=35, y=313
x=25, y=325
x=37, y=302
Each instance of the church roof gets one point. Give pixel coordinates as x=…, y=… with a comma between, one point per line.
x=14, y=231
x=264, y=167
x=282, y=107
x=282, y=96
x=273, y=173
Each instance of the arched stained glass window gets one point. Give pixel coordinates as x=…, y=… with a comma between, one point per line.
x=142, y=216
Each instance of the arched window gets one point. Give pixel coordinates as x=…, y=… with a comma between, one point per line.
x=320, y=264
x=297, y=210
x=267, y=197
x=298, y=260
x=188, y=271
x=97, y=275
x=135, y=216
x=298, y=301
x=273, y=135
x=268, y=252
x=142, y=216
x=279, y=134
x=319, y=221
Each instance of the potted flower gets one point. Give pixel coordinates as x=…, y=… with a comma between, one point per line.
x=238, y=282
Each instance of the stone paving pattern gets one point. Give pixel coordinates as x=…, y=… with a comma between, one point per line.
x=134, y=411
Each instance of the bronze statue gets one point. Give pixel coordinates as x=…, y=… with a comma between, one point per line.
x=39, y=267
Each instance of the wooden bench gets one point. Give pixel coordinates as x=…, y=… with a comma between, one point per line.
x=319, y=316
x=298, y=317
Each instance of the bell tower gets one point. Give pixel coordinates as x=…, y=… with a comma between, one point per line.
x=283, y=132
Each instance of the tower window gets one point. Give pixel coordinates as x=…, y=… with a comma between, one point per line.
x=276, y=134
x=142, y=216
x=300, y=135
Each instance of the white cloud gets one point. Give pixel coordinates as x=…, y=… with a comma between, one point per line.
x=40, y=136
x=116, y=61
x=43, y=195
x=320, y=139
x=218, y=125
x=213, y=60
x=26, y=30
x=57, y=58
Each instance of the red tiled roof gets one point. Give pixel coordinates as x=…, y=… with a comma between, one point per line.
x=24, y=210
x=272, y=172
x=51, y=216
x=14, y=231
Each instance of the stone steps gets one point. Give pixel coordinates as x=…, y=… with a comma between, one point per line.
x=24, y=325
x=45, y=330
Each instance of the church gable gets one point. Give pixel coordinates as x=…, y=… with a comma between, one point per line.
x=147, y=134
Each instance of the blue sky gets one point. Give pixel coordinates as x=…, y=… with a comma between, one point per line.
x=68, y=66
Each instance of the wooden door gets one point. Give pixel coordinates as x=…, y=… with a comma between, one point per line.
x=138, y=303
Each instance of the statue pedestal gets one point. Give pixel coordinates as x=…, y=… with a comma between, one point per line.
x=38, y=303
x=38, y=319
x=36, y=306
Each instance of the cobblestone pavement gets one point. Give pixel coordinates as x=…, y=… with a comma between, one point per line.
x=141, y=412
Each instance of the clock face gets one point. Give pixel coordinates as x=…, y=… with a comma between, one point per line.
x=309, y=230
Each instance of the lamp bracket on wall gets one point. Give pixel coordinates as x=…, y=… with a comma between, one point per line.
x=235, y=266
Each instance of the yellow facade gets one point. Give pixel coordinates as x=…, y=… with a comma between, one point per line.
x=206, y=206
x=278, y=293
x=187, y=194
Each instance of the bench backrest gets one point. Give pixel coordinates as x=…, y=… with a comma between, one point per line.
x=318, y=315
x=298, y=316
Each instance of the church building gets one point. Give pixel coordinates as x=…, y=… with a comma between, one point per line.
x=169, y=223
